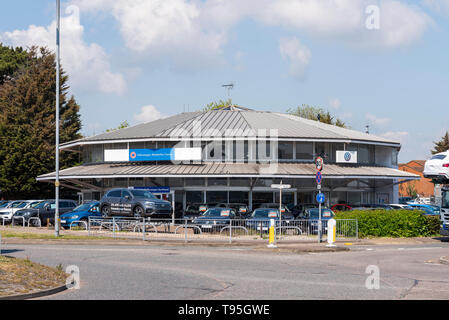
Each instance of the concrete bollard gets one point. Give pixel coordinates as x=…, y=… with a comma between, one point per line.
x=331, y=232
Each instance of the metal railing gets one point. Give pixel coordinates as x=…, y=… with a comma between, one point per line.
x=217, y=229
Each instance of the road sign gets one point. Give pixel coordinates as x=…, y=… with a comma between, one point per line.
x=318, y=177
x=319, y=163
x=320, y=197
x=281, y=186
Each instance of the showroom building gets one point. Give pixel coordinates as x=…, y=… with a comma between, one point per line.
x=234, y=155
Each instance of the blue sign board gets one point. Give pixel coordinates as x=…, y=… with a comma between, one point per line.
x=320, y=197
x=319, y=177
x=166, y=154
x=155, y=189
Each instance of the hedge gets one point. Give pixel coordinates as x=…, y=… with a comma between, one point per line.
x=393, y=223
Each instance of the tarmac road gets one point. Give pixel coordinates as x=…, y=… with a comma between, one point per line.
x=164, y=272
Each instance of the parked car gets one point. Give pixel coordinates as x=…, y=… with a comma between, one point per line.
x=284, y=208
x=214, y=219
x=437, y=167
x=15, y=206
x=429, y=210
x=45, y=211
x=341, y=207
x=405, y=200
x=260, y=218
x=241, y=210
x=81, y=213
x=194, y=210
x=399, y=206
x=313, y=215
x=135, y=203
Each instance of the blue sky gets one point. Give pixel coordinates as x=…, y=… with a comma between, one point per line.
x=143, y=59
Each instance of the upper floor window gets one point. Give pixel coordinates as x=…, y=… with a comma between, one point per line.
x=304, y=151
x=285, y=150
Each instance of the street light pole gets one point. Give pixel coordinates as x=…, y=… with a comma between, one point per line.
x=58, y=25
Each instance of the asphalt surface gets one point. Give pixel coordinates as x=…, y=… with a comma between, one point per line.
x=130, y=272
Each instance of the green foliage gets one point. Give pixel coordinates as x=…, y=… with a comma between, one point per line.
x=122, y=125
x=11, y=60
x=392, y=223
x=27, y=127
x=442, y=145
x=312, y=113
x=218, y=104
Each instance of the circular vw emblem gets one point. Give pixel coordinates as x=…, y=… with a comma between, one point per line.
x=347, y=156
x=133, y=155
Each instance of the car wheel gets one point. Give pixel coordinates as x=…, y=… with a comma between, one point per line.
x=105, y=211
x=138, y=212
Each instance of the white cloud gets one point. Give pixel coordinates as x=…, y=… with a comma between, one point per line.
x=374, y=120
x=345, y=115
x=86, y=64
x=147, y=114
x=396, y=135
x=335, y=103
x=195, y=32
x=440, y=6
x=296, y=54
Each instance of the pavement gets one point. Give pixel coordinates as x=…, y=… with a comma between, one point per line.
x=138, y=270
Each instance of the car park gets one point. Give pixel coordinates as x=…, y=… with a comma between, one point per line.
x=81, y=214
x=260, y=218
x=313, y=215
x=437, y=167
x=135, y=203
x=399, y=206
x=341, y=207
x=214, y=219
x=372, y=207
x=15, y=206
x=194, y=210
x=429, y=210
x=241, y=210
x=45, y=211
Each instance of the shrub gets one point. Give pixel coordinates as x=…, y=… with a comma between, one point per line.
x=392, y=223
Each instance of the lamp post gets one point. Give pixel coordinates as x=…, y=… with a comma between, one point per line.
x=58, y=25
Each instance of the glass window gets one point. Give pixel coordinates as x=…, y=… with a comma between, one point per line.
x=445, y=202
x=363, y=154
x=438, y=157
x=238, y=197
x=320, y=149
x=139, y=194
x=394, y=157
x=285, y=150
x=240, y=182
x=115, y=193
x=304, y=151
x=217, y=182
x=216, y=196
x=263, y=150
x=195, y=182
x=194, y=197
x=137, y=145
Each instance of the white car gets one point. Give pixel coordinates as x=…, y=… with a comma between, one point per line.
x=7, y=213
x=438, y=167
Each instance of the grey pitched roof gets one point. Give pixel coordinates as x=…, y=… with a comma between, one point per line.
x=233, y=123
x=299, y=170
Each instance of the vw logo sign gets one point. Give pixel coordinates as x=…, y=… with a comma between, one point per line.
x=348, y=156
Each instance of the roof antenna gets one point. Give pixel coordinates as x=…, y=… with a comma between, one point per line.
x=229, y=87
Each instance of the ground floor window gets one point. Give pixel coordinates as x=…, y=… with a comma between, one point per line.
x=194, y=197
x=216, y=196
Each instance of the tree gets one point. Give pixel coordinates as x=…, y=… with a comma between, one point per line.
x=122, y=125
x=442, y=145
x=218, y=104
x=11, y=60
x=317, y=114
x=27, y=126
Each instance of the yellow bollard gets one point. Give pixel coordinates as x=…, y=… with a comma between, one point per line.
x=271, y=237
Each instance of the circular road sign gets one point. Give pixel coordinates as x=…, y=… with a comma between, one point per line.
x=319, y=163
x=320, y=198
x=318, y=177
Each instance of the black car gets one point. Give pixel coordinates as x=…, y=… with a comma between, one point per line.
x=135, y=203
x=214, y=219
x=241, y=210
x=45, y=211
x=194, y=210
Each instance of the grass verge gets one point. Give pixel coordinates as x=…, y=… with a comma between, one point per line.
x=21, y=276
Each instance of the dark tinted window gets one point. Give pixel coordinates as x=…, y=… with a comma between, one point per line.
x=115, y=193
x=439, y=157
x=126, y=193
